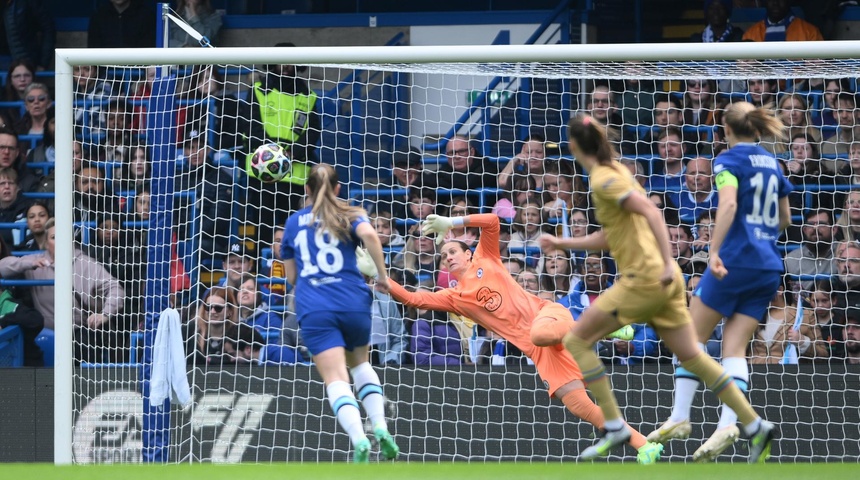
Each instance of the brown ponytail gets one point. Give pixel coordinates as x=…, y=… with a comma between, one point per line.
x=591, y=138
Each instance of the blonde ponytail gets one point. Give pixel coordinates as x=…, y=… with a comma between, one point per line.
x=332, y=213
x=746, y=120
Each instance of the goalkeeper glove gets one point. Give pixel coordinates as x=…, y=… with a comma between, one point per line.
x=365, y=263
x=624, y=333
x=439, y=225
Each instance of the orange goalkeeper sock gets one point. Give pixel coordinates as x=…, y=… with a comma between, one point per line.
x=579, y=403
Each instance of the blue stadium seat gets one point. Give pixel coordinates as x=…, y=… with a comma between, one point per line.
x=11, y=347
x=45, y=341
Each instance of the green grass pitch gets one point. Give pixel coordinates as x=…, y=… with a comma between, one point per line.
x=447, y=471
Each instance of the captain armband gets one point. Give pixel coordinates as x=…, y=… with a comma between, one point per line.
x=726, y=179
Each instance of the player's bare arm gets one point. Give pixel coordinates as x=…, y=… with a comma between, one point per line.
x=592, y=242
x=637, y=203
x=728, y=207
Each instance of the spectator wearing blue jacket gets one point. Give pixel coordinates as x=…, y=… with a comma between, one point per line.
x=596, y=277
x=246, y=345
x=255, y=313
x=697, y=195
x=387, y=332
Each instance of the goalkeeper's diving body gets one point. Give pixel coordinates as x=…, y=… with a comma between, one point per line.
x=487, y=294
x=650, y=289
x=333, y=304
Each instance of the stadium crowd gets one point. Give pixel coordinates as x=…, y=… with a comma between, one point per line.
x=666, y=133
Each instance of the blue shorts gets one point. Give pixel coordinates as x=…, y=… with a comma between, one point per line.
x=324, y=329
x=744, y=290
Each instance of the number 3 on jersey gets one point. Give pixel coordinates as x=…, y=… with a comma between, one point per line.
x=329, y=258
x=765, y=201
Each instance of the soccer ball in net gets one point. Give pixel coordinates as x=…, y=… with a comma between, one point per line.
x=269, y=163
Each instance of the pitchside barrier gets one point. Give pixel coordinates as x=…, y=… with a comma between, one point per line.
x=472, y=409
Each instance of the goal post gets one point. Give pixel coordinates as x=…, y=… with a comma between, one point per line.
x=235, y=407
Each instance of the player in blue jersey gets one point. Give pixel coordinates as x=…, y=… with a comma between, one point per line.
x=333, y=304
x=744, y=272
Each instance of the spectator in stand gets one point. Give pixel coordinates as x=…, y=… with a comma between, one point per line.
x=563, y=190
x=213, y=190
x=416, y=264
x=460, y=208
x=847, y=286
x=215, y=313
x=601, y=106
x=407, y=173
x=852, y=337
x=762, y=92
x=90, y=92
x=122, y=24
x=387, y=331
x=579, y=223
x=29, y=32
x=681, y=241
x=93, y=199
x=698, y=194
x=703, y=230
x=847, y=132
x=794, y=112
x=528, y=226
x=117, y=120
x=822, y=300
x=850, y=174
x=465, y=170
x=239, y=260
x=37, y=214
x=136, y=169
x=826, y=116
x=253, y=310
x=44, y=151
x=13, y=312
x=10, y=157
x=422, y=202
x=435, y=340
x=524, y=189
x=200, y=15
x=98, y=297
x=21, y=73
x=636, y=102
x=13, y=206
x=275, y=292
x=37, y=101
x=297, y=129
x=718, y=14
x=530, y=161
x=671, y=149
x=530, y=281
x=700, y=106
x=392, y=242
x=849, y=219
x=243, y=344
x=514, y=266
x=383, y=223
x=121, y=251
x=557, y=276
x=636, y=169
x=595, y=279
x=815, y=255
x=781, y=25
x=776, y=333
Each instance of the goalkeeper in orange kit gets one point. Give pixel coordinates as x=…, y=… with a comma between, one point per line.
x=487, y=294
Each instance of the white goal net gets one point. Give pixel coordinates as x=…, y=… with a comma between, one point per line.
x=155, y=209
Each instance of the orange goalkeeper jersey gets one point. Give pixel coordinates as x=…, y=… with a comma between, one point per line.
x=486, y=293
